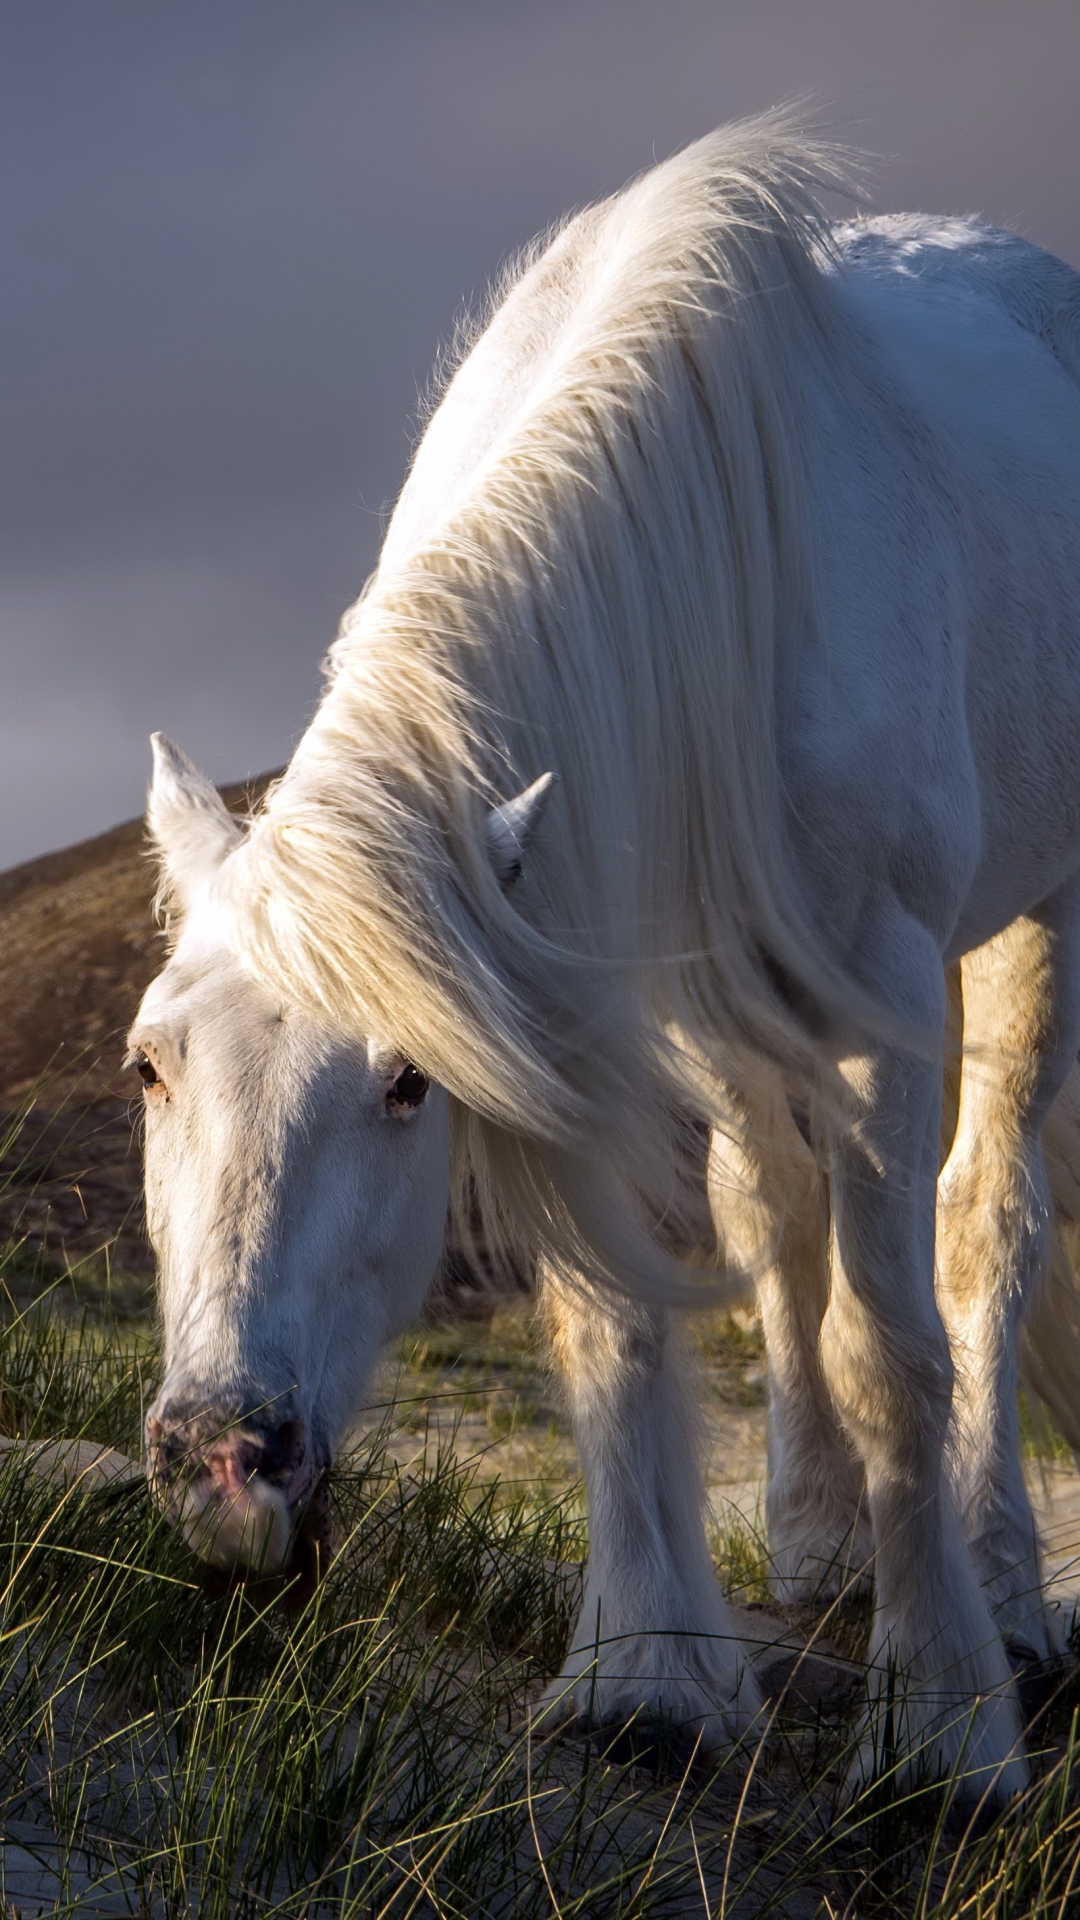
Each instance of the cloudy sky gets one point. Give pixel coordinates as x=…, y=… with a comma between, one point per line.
x=232, y=236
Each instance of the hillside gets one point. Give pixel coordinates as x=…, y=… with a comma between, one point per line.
x=78, y=944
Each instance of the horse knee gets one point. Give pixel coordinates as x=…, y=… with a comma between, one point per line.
x=606, y=1350
x=891, y=1384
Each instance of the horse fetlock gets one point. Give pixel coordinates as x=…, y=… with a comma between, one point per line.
x=1022, y=1614
x=942, y=1712
x=916, y=1735
x=820, y=1539
x=1003, y=1544
x=818, y=1554
x=697, y=1685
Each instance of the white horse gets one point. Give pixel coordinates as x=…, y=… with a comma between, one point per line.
x=763, y=537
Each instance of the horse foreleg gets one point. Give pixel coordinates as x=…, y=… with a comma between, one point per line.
x=1021, y=1025
x=939, y=1671
x=654, y=1642
x=769, y=1204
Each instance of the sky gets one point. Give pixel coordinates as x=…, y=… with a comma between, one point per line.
x=234, y=235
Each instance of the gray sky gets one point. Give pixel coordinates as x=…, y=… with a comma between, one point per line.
x=232, y=236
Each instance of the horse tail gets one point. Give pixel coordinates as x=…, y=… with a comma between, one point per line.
x=1050, y=1341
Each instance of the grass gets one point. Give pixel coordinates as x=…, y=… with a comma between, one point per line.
x=171, y=1746
x=1041, y=1439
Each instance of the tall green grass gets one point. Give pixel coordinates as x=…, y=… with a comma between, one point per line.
x=171, y=1746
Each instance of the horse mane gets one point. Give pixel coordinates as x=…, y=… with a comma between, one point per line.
x=617, y=594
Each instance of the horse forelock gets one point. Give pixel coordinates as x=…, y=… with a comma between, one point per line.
x=617, y=595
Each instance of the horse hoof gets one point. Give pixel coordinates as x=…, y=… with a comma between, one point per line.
x=660, y=1746
x=1040, y=1679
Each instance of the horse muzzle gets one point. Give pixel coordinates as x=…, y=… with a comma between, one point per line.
x=248, y=1494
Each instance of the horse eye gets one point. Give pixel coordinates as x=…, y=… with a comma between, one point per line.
x=146, y=1070
x=409, y=1089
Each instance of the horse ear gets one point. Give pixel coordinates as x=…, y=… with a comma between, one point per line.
x=511, y=826
x=189, y=822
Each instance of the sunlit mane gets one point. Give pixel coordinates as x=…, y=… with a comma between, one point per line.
x=615, y=593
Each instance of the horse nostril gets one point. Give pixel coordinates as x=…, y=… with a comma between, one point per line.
x=225, y=1455
x=170, y=1452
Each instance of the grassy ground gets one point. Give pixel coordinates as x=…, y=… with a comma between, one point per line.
x=171, y=1746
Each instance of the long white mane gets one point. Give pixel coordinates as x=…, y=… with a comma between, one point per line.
x=616, y=593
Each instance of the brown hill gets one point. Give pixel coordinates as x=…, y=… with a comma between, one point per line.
x=78, y=944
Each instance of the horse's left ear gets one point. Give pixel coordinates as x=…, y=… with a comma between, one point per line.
x=511, y=826
x=189, y=822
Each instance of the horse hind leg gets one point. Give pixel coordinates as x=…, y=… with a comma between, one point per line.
x=770, y=1207
x=1021, y=1026
x=654, y=1643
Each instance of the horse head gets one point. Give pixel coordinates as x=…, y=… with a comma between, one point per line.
x=297, y=1180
